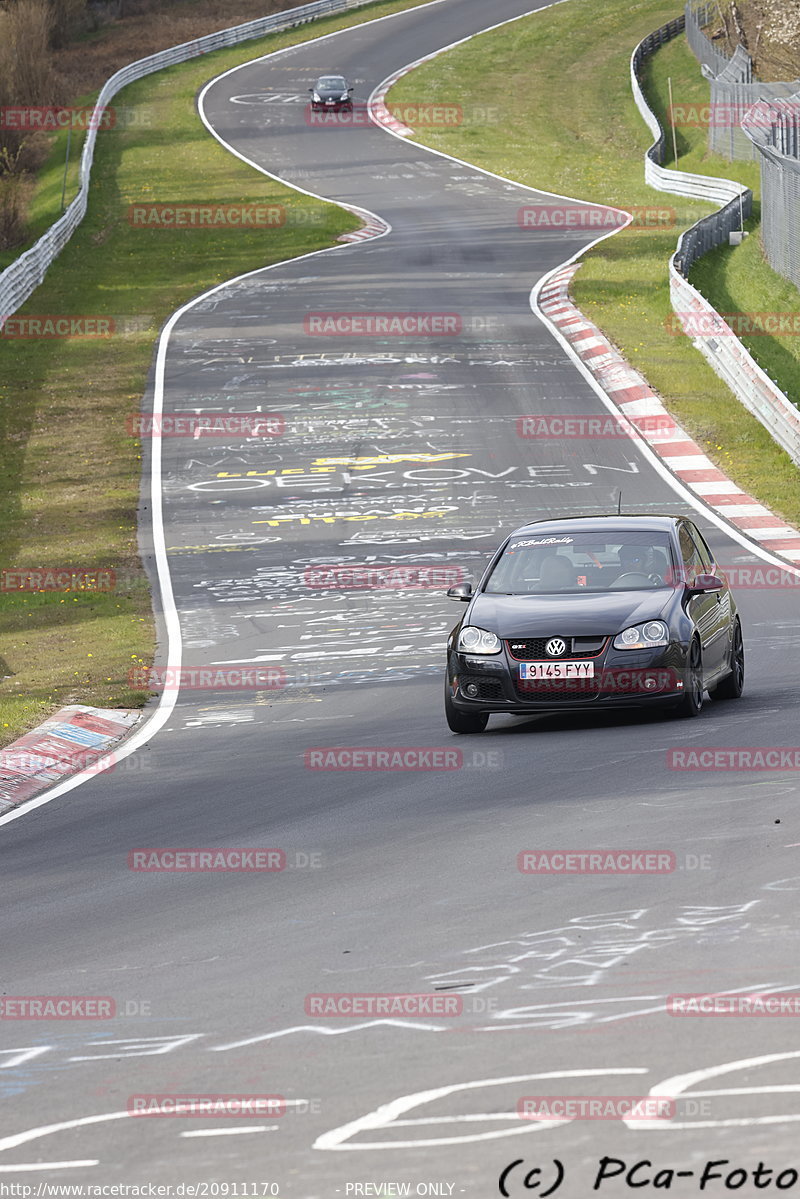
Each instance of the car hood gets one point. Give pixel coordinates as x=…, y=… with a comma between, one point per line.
x=566, y=615
x=330, y=93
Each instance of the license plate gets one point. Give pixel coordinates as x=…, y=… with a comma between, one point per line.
x=556, y=670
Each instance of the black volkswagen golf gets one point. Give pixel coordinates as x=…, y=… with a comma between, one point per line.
x=594, y=612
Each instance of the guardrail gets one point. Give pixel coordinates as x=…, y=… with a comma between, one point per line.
x=721, y=347
x=25, y=274
x=680, y=183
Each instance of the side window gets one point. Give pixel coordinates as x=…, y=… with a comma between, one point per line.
x=692, y=562
x=706, y=557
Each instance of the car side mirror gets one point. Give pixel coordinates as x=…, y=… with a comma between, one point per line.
x=703, y=583
x=349, y=89
x=461, y=591
x=311, y=89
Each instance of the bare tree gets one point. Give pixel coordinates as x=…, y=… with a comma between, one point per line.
x=69, y=18
x=26, y=68
x=12, y=200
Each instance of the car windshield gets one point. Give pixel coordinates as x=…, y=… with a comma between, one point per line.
x=332, y=82
x=564, y=563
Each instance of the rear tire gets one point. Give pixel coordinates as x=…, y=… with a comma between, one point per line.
x=692, y=702
x=733, y=686
x=462, y=722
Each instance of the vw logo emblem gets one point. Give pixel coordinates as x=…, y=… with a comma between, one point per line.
x=555, y=647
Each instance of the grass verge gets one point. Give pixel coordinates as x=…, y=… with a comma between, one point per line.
x=567, y=123
x=69, y=474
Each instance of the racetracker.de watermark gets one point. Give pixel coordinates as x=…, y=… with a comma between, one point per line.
x=50, y=758
x=408, y=577
x=400, y=757
x=57, y=1007
x=420, y=114
x=206, y=216
x=733, y=324
x=57, y=578
x=720, y=757
x=57, y=326
x=207, y=678
x=382, y=324
x=206, y=424
x=716, y=114
x=758, y=1004
x=743, y=577
x=596, y=861
x=330, y=1004
x=558, y=217
x=205, y=1106
x=614, y=680
x=185, y=861
x=31, y=118
x=596, y=1107
x=554, y=426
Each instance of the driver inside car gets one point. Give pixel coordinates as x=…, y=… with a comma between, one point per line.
x=641, y=560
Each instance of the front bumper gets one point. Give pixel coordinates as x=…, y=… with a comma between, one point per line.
x=622, y=679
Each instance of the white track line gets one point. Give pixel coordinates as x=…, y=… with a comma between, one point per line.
x=230, y=1132
x=174, y=650
x=169, y=696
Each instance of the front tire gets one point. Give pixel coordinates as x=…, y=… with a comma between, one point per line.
x=462, y=722
x=733, y=686
x=692, y=702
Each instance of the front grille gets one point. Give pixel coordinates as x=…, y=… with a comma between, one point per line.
x=556, y=690
x=532, y=649
x=487, y=688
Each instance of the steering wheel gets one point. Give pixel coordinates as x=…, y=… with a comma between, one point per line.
x=632, y=578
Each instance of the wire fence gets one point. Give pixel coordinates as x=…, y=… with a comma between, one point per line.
x=750, y=119
x=733, y=85
x=698, y=15
x=774, y=131
x=717, y=342
x=25, y=274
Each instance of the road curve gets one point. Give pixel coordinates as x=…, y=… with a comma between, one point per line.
x=396, y=450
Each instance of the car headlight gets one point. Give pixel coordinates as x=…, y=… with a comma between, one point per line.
x=472, y=640
x=343, y=96
x=643, y=636
x=316, y=96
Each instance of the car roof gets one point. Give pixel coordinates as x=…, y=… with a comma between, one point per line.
x=603, y=522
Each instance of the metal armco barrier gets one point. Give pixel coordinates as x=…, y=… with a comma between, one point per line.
x=721, y=348
x=25, y=274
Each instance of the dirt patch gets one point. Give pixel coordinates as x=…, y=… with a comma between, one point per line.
x=147, y=27
x=768, y=29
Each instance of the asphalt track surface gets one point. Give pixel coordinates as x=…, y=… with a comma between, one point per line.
x=397, y=881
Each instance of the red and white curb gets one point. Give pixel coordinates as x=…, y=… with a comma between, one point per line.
x=373, y=227
x=76, y=738
x=378, y=111
x=637, y=401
